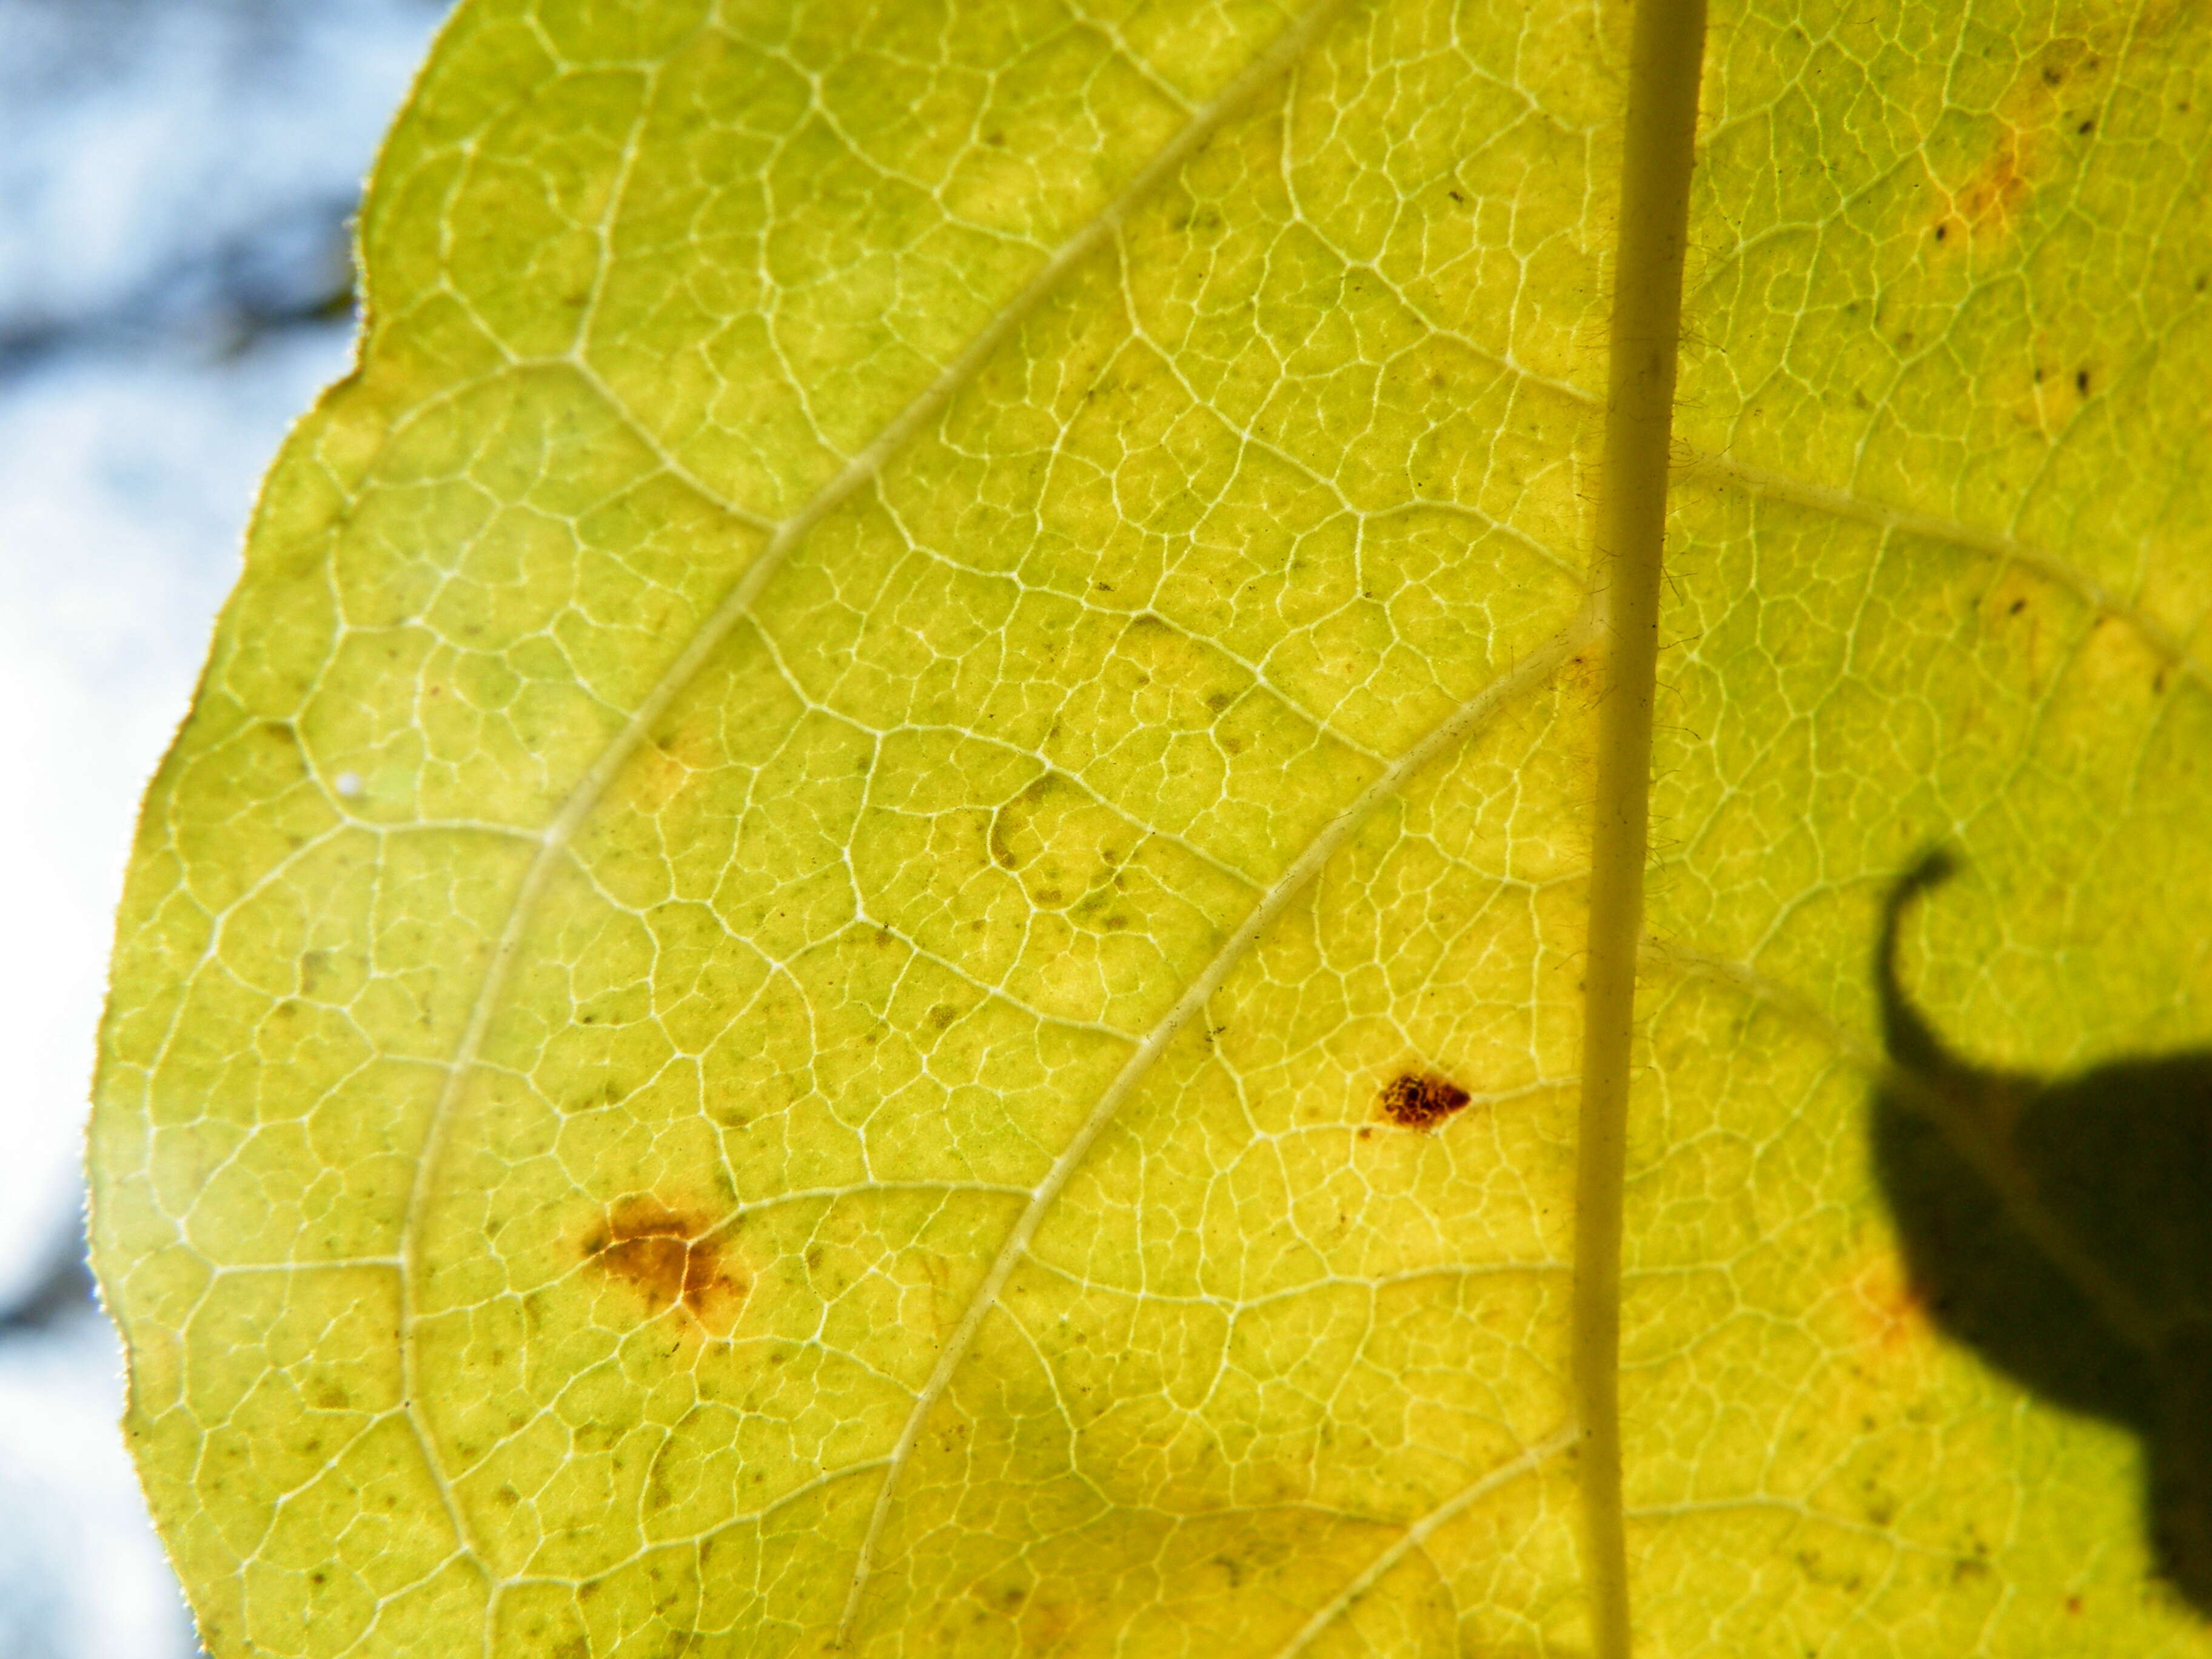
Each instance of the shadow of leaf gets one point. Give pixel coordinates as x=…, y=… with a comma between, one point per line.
x=2061, y=1228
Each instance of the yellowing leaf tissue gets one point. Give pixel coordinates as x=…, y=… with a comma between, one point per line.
x=873, y=932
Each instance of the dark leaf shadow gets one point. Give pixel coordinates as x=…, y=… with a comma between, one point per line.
x=2061, y=1228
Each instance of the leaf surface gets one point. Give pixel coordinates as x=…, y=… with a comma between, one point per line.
x=872, y=922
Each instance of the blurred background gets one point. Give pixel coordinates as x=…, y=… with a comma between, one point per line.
x=175, y=189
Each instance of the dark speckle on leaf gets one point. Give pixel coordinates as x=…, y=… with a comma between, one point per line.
x=1421, y=1100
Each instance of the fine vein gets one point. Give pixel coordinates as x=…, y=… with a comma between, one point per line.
x=1531, y=672
x=2122, y=1311
x=860, y=471
x=1420, y=1532
x=2163, y=641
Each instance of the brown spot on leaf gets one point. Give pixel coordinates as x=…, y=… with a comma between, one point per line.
x=1889, y=1313
x=1421, y=1100
x=1985, y=202
x=2055, y=93
x=672, y=1260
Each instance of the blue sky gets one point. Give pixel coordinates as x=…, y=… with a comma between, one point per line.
x=173, y=202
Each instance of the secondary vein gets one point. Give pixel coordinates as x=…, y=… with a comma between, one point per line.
x=2168, y=645
x=1417, y=1534
x=1531, y=672
x=861, y=471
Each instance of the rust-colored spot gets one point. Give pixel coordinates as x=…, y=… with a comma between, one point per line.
x=1988, y=200
x=2053, y=95
x=672, y=1259
x=1421, y=1100
x=1889, y=1314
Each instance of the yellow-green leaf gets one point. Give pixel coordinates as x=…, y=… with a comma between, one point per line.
x=871, y=929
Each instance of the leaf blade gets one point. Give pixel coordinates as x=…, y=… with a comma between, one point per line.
x=1280, y=474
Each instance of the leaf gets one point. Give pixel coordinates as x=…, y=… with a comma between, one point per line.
x=874, y=916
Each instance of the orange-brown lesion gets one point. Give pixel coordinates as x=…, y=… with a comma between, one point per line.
x=2050, y=106
x=1986, y=203
x=1889, y=1313
x=675, y=1261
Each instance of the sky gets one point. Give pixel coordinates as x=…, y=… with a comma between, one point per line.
x=174, y=195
